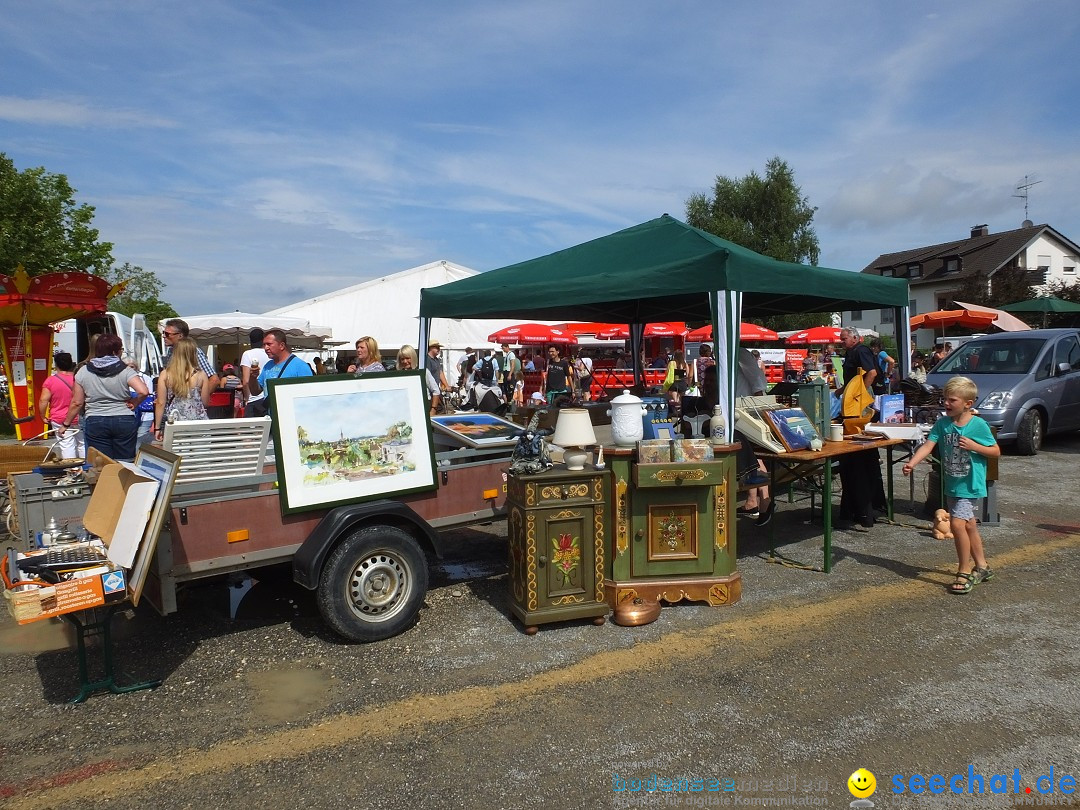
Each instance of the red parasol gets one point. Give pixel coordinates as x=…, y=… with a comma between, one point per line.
x=944, y=318
x=533, y=334
x=666, y=329
x=747, y=331
x=816, y=336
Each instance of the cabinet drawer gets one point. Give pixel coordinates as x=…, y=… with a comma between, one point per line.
x=538, y=492
x=695, y=474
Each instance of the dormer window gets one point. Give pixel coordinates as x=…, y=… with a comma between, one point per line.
x=952, y=265
x=888, y=272
x=914, y=270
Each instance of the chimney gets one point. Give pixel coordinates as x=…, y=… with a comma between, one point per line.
x=979, y=230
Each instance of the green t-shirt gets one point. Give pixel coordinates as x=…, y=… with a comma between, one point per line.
x=965, y=472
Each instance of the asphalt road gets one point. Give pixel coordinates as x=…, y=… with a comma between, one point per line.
x=772, y=702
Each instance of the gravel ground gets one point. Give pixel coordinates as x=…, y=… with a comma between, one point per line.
x=777, y=698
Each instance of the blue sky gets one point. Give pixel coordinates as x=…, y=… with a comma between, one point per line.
x=253, y=154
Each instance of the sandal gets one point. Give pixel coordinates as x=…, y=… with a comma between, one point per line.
x=983, y=574
x=963, y=583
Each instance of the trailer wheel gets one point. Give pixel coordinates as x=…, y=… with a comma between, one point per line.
x=373, y=584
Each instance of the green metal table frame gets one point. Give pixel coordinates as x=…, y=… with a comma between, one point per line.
x=803, y=465
x=85, y=628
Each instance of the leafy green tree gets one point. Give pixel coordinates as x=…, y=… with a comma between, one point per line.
x=41, y=226
x=142, y=294
x=767, y=214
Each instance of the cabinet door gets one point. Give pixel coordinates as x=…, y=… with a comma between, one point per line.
x=672, y=532
x=565, y=554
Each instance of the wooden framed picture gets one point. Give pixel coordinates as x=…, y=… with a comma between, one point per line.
x=342, y=440
x=164, y=467
x=792, y=427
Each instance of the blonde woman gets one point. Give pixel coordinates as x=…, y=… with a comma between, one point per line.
x=407, y=360
x=183, y=388
x=367, y=357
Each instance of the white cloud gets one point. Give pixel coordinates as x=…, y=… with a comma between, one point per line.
x=54, y=112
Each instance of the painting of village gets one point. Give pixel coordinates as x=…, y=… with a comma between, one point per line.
x=353, y=437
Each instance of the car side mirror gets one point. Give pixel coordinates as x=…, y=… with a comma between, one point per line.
x=1063, y=369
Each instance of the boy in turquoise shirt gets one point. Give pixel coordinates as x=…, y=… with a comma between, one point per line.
x=966, y=444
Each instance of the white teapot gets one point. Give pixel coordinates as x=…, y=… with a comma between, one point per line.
x=626, y=411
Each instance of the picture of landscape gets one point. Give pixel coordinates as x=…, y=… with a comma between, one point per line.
x=354, y=436
x=342, y=440
x=478, y=429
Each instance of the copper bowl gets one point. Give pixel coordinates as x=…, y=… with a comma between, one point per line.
x=637, y=611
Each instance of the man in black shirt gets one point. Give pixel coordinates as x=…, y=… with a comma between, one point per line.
x=860, y=473
x=557, y=380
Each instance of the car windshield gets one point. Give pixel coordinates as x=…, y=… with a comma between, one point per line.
x=1011, y=356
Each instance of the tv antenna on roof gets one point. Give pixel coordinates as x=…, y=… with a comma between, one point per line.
x=1022, y=188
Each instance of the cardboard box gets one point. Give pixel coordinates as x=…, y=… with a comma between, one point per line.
x=35, y=604
x=120, y=508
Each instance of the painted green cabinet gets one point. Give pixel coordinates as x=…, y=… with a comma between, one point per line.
x=673, y=532
x=557, y=526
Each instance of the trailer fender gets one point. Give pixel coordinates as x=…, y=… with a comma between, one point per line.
x=311, y=557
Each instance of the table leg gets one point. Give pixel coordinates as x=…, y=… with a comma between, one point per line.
x=889, y=479
x=101, y=627
x=826, y=513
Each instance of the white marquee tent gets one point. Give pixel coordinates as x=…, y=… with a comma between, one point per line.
x=388, y=309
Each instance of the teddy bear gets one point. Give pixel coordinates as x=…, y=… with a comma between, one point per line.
x=941, y=526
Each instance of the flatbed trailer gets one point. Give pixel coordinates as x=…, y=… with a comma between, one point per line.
x=367, y=562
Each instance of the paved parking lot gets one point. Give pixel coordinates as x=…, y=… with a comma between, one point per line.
x=778, y=698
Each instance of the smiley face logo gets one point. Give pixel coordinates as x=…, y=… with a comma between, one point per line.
x=862, y=784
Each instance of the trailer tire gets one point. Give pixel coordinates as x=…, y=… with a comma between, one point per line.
x=373, y=584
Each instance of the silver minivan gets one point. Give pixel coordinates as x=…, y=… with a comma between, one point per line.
x=1029, y=382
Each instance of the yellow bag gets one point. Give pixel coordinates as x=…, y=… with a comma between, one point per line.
x=669, y=378
x=857, y=408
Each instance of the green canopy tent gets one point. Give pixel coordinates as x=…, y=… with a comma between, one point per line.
x=664, y=270
x=1044, y=304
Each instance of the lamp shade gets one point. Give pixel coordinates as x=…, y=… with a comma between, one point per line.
x=574, y=429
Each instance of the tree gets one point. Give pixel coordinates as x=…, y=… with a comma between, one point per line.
x=42, y=228
x=142, y=294
x=767, y=214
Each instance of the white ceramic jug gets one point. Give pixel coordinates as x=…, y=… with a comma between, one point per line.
x=626, y=411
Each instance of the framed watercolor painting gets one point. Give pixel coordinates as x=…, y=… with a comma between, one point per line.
x=477, y=429
x=345, y=440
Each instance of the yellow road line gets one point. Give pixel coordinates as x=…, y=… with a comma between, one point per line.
x=474, y=702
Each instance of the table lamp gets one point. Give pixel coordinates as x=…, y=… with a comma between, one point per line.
x=574, y=433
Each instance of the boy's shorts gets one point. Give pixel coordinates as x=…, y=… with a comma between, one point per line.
x=963, y=508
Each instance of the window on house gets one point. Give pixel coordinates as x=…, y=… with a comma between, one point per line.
x=913, y=309
x=914, y=270
x=886, y=315
x=1042, y=270
x=888, y=272
x=952, y=266
x=856, y=314
x=1069, y=268
x=943, y=302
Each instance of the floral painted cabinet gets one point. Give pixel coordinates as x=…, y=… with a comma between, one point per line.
x=557, y=526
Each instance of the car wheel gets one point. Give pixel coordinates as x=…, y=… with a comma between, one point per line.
x=1029, y=434
x=373, y=584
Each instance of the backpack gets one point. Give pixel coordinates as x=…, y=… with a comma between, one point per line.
x=486, y=374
